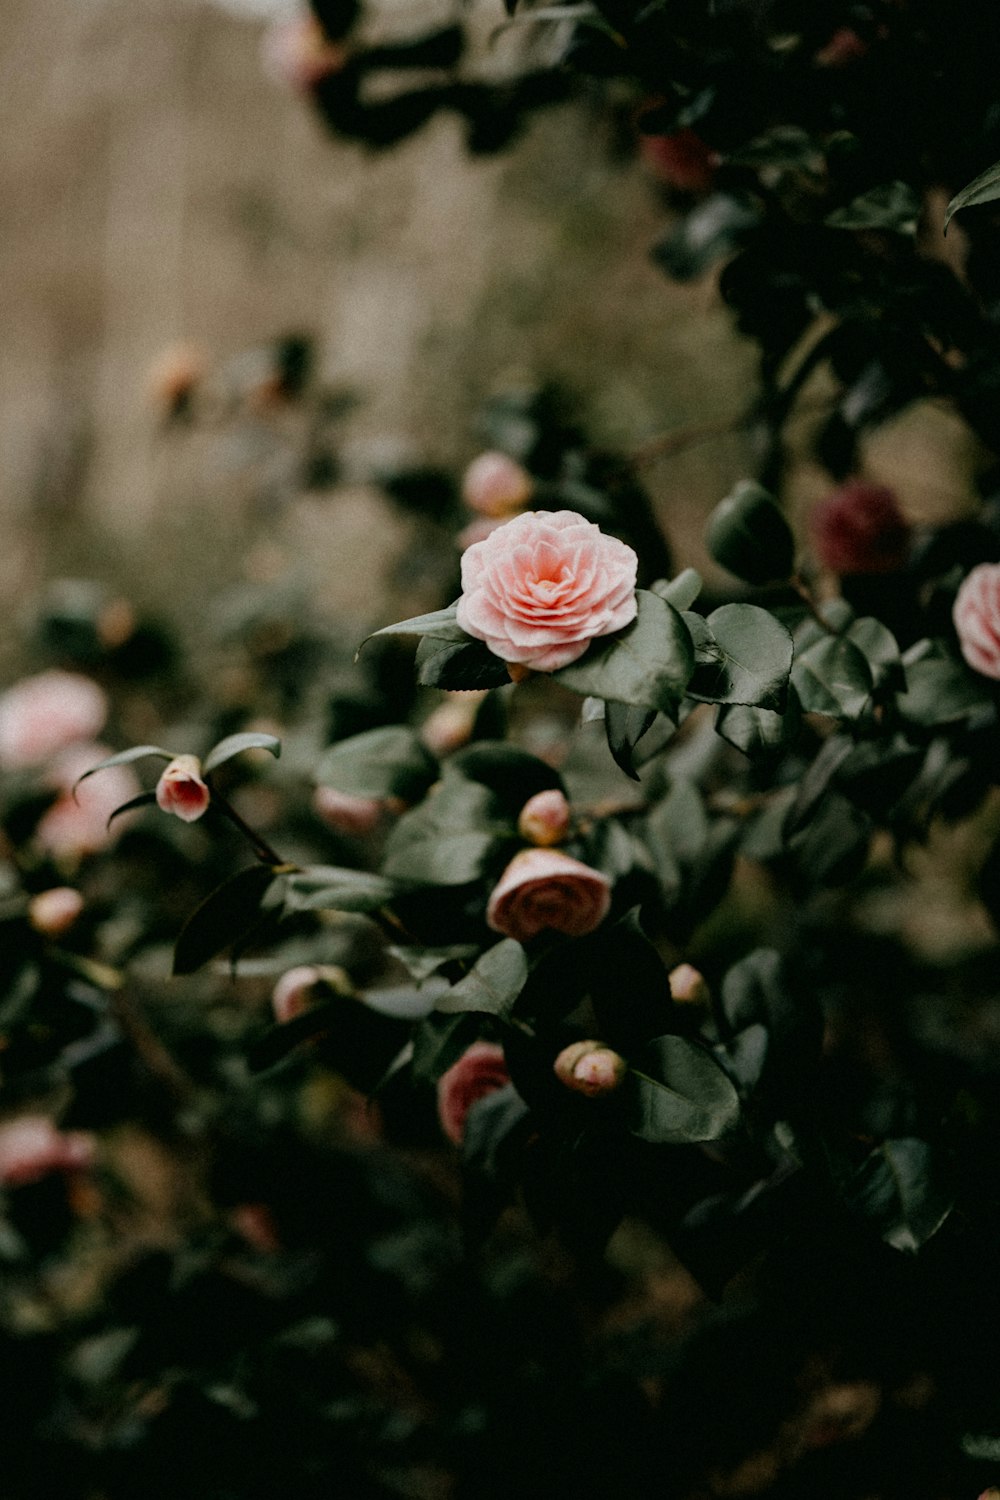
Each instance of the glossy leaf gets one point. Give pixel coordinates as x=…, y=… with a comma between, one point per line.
x=124, y=757
x=647, y=664
x=625, y=724
x=678, y=1094
x=235, y=744
x=982, y=189
x=230, y=913
x=492, y=985
x=459, y=666
x=748, y=535
x=833, y=677
x=899, y=1190
x=750, y=659
x=681, y=591
x=333, y=888
x=439, y=624
x=894, y=206
x=759, y=731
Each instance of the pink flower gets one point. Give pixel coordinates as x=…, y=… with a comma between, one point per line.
x=181, y=791
x=450, y=725
x=293, y=992
x=297, y=52
x=496, y=485
x=480, y=1071
x=540, y=588
x=544, y=888
x=42, y=715
x=688, y=987
x=681, y=160
x=31, y=1148
x=860, y=529
x=77, y=824
x=346, y=813
x=477, y=531
x=976, y=614
x=53, y=912
x=544, y=819
x=590, y=1068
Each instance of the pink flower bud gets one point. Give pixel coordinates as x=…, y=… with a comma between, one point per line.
x=53, y=912
x=843, y=48
x=991, y=1494
x=976, y=614
x=293, y=992
x=496, y=485
x=688, y=986
x=544, y=819
x=860, y=529
x=590, y=1068
x=348, y=814
x=181, y=791
x=544, y=888
x=480, y=1071
x=31, y=1148
x=449, y=726
x=42, y=715
x=681, y=160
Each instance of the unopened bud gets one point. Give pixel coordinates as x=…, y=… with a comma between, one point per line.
x=449, y=727
x=544, y=819
x=688, y=986
x=496, y=485
x=53, y=912
x=590, y=1068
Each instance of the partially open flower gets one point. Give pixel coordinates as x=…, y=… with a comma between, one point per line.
x=540, y=588
x=41, y=715
x=293, y=993
x=544, y=888
x=977, y=619
x=32, y=1147
x=860, y=529
x=496, y=485
x=590, y=1068
x=53, y=912
x=480, y=1071
x=544, y=819
x=181, y=790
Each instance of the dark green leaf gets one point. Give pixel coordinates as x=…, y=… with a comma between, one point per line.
x=647, y=664
x=491, y=985
x=422, y=963
x=440, y=624
x=894, y=206
x=625, y=724
x=333, y=888
x=677, y=1094
x=228, y=914
x=459, y=666
x=899, y=1190
x=748, y=535
x=752, y=658
x=759, y=731
x=439, y=1041
x=832, y=677
x=880, y=649
x=144, y=799
x=449, y=838
x=511, y=774
x=123, y=758
x=387, y=762
x=234, y=744
x=982, y=189
x=352, y=1039
x=940, y=690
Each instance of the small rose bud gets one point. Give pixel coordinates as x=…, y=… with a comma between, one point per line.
x=293, y=993
x=976, y=614
x=181, y=791
x=991, y=1494
x=688, y=986
x=496, y=485
x=860, y=529
x=590, y=1068
x=681, y=160
x=481, y=1070
x=348, y=814
x=53, y=912
x=544, y=819
x=32, y=1147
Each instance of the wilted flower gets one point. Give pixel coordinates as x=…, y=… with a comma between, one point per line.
x=590, y=1068
x=41, y=715
x=496, y=485
x=545, y=818
x=181, y=790
x=976, y=614
x=860, y=529
x=31, y=1147
x=54, y=911
x=480, y=1071
x=544, y=888
x=540, y=588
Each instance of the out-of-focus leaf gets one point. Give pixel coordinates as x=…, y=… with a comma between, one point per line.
x=900, y=1191
x=893, y=206
x=387, y=762
x=748, y=535
x=235, y=744
x=227, y=915
x=492, y=985
x=678, y=1094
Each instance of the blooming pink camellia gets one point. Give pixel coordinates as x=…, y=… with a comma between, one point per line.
x=32, y=1147
x=181, y=790
x=545, y=818
x=480, y=1071
x=976, y=613
x=544, y=888
x=541, y=587
x=41, y=715
x=860, y=529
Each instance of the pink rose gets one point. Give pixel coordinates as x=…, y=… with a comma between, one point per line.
x=42, y=715
x=860, y=529
x=590, y=1068
x=681, y=160
x=31, y=1148
x=544, y=888
x=480, y=1071
x=495, y=485
x=976, y=614
x=293, y=993
x=544, y=819
x=181, y=791
x=53, y=912
x=77, y=823
x=540, y=588
x=349, y=814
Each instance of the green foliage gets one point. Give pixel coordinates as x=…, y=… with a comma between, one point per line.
x=647, y=664
x=678, y=1095
x=387, y=762
x=748, y=534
